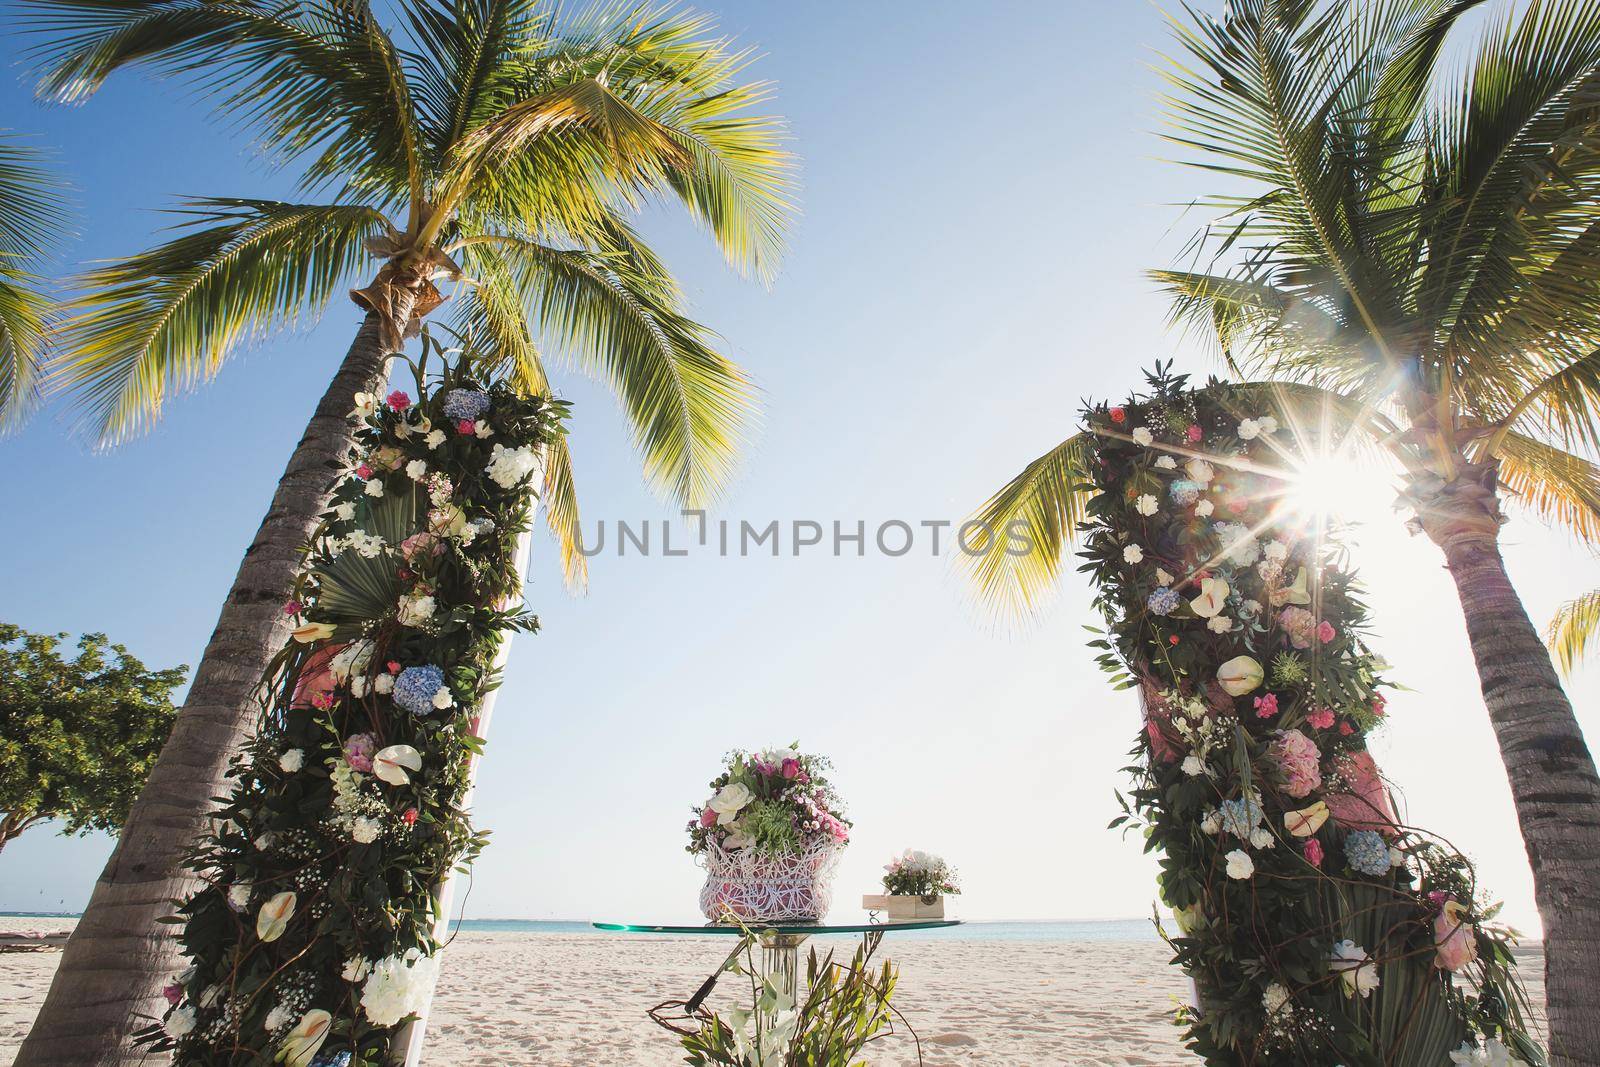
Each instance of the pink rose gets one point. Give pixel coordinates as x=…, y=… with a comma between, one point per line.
x=708, y=818
x=173, y=992
x=1299, y=761
x=399, y=401
x=409, y=816
x=791, y=768
x=1266, y=706
x=1118, y=415
x=1455, y=940
x=1325, y=631
x=364, y=471
x=1299, y=624
x=1314, y=852
x=418, y=544
x=1194, y=434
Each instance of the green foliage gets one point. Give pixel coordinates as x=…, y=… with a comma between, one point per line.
x=77, y=736
x=771, y=824
x=32, y=216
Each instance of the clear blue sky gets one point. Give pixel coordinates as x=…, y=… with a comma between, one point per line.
x=982, y=188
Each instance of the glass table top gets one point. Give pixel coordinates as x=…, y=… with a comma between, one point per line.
x=780, y=928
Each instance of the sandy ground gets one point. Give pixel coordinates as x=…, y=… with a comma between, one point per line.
x=554, y=999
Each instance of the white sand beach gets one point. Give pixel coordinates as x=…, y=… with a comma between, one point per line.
x=565, y=1000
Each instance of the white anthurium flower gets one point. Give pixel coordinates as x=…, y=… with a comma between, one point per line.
x=366, y=405
x=1355, y=968
x=1213, y=597
x=1240, y=865
x=1143, y=436
x=729, y=801
x=390, y=764
x=1147, y=505
x=1240, y=675
x=1132, y=554
x=1204, y=508
x=1307, y=820
x=273, y=918
x=1296, y=593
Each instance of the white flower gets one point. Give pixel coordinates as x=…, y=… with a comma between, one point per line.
x=374, y=488
x=1249, y=429
x=1200, y=471
x=737, y=839
x=1275, y=549
x=300, y=1047
x=366, y=405
x=1193, y=766
x=443, y=699
x=239, y=896
x=1267, y=424
x=277, y=1018
x=1240, y=675
x=434, y=439
x=1250, y=607
x=1211, y=822
x=383, y=684
x=416, y=609
x=365, y=830
x=358, y=687
x=367, y=545
x=1132, y=554
x=390, y=764
x=355, y=968
x=1219, y=624
x=1143, y=436
x=482, y=430
x=1240, y=865
x=1274, y=997
x=398, y=988
x=1490, y=1054
x=263, y=842
x=509, y=466
x=1397, y=858
x=1204, y=508
x=1213, y=597
x=1162, y=577
x=1167, y=463
x=292, y=760
x=1352, y=964
x=1146, y=505
x=729, y=801
x=416, y=470
x=1261, y=837
x=352, y=659
x=274, y=916
x=345, y=511
x=180, y=1022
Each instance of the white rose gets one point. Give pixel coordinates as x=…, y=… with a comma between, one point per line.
x=1146, y=505
x=365, y=830
x=416, y=609
x=1249, y=429
x=358, y=687
x=292, y=760
x=1219, y=624
x=1275, y=550
x=1211, y=822
x=1143, y=436
x=374, y=488
x=383, y=684
x=1261, y=837
x=1240, y=865
x=481, y=430
x=180, y=1022
x=1132, y=554
x=1193, y=766
x=1204, y=508
x=416, y=470
x=1354, y=967
x=1166, y=463
x=729, y=801
x=1200, y=471
x=1267, y=424
x=345, y=511
x=434, y=439
x=239, y=896
x=355, y=968
x=442, y=699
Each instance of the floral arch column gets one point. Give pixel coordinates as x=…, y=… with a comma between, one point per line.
x=1319, y=929
x=315, y=938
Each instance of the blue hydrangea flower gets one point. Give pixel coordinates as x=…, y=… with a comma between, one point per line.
x=465, y=404
x=1244, y=814
x=1367, y=852
x=415, y=688
x=1184, y=492
x=1163, y=601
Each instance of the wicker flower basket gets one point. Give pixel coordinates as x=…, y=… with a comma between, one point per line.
x=760, y=888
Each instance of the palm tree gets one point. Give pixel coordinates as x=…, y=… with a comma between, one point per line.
x=32, y=214
x=488, y=141
x=1418, y=254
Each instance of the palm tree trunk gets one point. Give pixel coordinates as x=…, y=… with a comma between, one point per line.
x=108, y=985
x=1553, y=780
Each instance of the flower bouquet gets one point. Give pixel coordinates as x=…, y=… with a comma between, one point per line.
x=914, y=887
x=770, y=838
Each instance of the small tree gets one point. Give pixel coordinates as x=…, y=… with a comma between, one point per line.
x=77, y=737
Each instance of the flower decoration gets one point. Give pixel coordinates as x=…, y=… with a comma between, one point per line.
x=776, y=802
x=1367, y=852
x=465, y=405
x=416, y=688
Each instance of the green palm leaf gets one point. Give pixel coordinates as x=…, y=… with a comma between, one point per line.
x=32, y=215
x=353, y=589
x=1570, y=629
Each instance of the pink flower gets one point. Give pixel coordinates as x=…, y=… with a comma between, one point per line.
x=1321, y=718
x=465, y=426
x=1346, y=729
x=1237, y=504
x=173, y=992
x=1325, y=631
x=364, y=471
x=1454, y=938
x=791, y=768
x=1118, y=415
x=394, y=666
x=1299, y=760
x=708, y=818
x=358, y=750
x=420, y=543
x=409, y=817
x=1194, y=434
x=399, y=401
x=293, y=607
x=322, y=701
x=1299, y=624
x=1266, y=706
x=1361, y=801
x=1379, y=702
x=1314, y=852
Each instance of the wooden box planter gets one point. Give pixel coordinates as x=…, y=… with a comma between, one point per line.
x=902, y=908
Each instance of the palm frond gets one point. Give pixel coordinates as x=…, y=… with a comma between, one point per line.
x=32, y=218
x=1553, y=485
x=166, y=319
x=24, y=330
x=1025, y=529
x=1570, y=629
x=688, y=404
x=560, y=501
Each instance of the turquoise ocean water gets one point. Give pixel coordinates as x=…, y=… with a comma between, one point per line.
x=1099, y=930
